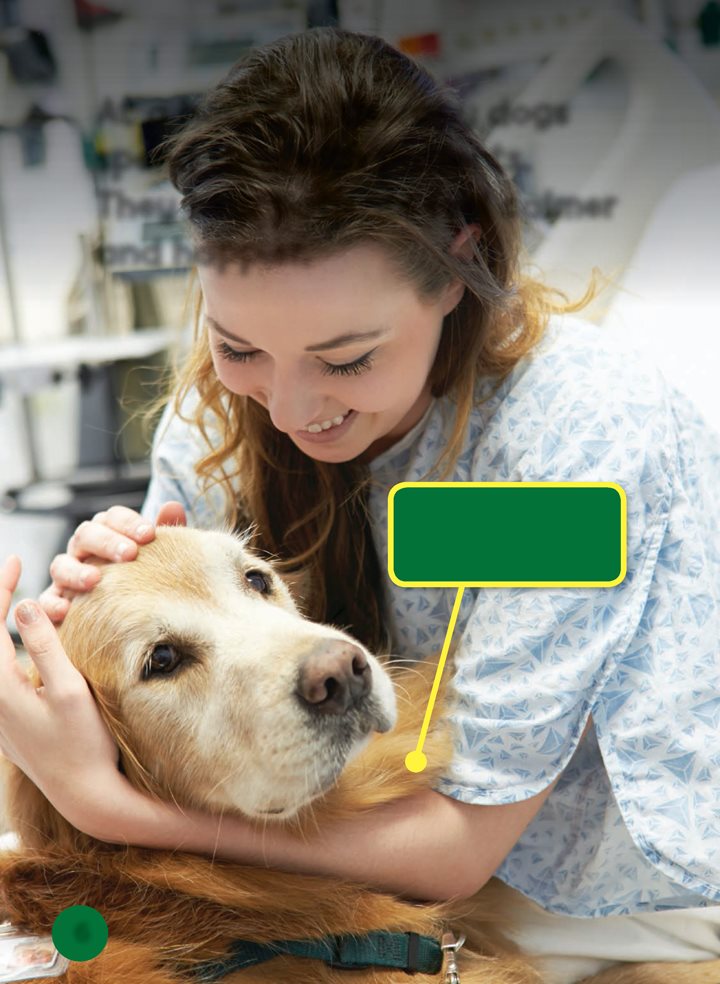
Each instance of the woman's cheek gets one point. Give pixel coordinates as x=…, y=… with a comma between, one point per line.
x=228, y=374
x=369, y=392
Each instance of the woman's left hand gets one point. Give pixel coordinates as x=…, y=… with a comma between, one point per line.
x=54, y=733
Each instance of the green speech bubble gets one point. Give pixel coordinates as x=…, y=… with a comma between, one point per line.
x=507, y=534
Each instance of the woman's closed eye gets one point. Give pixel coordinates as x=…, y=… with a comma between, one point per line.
x=346, y=369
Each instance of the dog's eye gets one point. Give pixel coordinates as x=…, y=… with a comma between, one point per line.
x=164, y=659
x=259, y=580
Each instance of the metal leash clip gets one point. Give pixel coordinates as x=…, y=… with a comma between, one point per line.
x=450, y=947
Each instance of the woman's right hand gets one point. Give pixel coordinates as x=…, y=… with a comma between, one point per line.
x=113, y=535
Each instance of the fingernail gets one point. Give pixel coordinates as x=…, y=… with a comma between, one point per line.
x=142, y=530
x=27, y=613
x=122, y=551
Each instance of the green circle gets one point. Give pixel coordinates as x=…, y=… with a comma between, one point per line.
x=79, y=933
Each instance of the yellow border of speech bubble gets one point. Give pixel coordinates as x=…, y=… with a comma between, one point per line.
x=509, y=584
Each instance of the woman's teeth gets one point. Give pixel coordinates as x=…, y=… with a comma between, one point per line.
x=326, y=424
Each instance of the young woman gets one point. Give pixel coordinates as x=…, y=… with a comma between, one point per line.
x=363, y=319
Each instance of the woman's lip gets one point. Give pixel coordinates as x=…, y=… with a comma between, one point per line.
x=331, y=434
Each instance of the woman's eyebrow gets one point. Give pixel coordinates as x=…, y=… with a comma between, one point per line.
x=337, y=342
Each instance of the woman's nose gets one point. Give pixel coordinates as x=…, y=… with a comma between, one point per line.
x=289, y=404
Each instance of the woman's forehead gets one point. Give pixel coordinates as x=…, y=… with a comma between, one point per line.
x=356, y=293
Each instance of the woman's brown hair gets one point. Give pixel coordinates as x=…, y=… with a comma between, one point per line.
x=311, y=145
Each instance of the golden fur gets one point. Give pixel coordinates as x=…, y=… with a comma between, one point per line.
x=167, y=910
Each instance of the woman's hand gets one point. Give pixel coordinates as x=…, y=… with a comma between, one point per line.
x=55, y=734
x=113, y=535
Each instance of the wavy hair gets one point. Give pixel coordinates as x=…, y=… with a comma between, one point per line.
x=311, y=145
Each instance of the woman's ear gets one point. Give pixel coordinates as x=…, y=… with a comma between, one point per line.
x=462, y=244
x=462, y=247
x=453, y=293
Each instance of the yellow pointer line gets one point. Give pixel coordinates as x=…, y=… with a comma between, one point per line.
x=416, y=761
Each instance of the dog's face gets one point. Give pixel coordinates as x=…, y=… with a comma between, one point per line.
x=222, y=691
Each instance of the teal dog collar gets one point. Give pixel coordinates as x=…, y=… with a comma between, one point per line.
x=406, y=951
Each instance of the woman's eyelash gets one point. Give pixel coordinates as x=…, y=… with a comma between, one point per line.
x=232, y=355
x=349, y=368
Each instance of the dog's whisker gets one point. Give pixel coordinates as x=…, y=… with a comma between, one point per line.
x=217, y=836
x=402, y=692
x=312, y=811
x=220, y=782
x=223, y=779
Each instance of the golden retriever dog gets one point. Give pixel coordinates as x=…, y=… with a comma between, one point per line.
x=223, y=697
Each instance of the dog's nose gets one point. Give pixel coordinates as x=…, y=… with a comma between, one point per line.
x=335, y=677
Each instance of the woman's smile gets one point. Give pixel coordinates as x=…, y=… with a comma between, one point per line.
x=332, y=433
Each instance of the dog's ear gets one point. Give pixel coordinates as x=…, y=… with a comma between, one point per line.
x=33, y=818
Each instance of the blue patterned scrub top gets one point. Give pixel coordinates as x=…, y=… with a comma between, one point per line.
x=634, y=822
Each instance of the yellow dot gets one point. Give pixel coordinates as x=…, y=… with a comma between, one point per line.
x=415, y=761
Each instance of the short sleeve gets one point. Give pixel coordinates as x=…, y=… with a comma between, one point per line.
x=177, y=446
x=532, y=663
